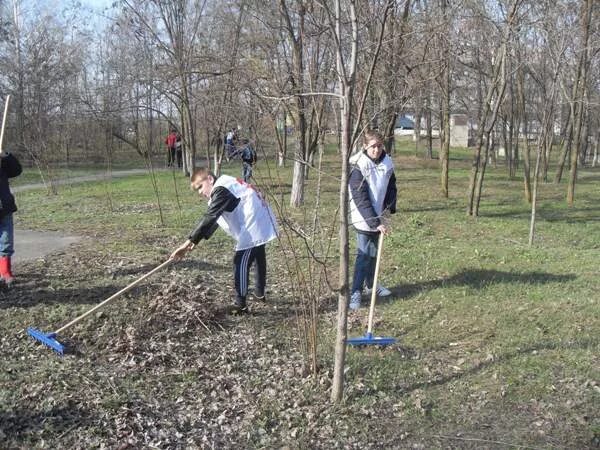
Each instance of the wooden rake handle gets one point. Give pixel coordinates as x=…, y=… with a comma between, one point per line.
x=4, y=121
x=114, y=296
x=374, y=287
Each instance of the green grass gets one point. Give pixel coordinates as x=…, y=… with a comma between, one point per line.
x=498, y=341
x=33, y=174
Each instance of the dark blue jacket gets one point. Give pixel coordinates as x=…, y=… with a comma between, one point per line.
x=249, y=154
x=373, y=189
x=9, y=168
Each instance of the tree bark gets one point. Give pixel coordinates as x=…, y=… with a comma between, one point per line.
x=445, y=102
x=566, y=150
x=429, y=126
x=445, y=145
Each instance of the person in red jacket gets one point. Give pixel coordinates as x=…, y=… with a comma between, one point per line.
x=171, y=142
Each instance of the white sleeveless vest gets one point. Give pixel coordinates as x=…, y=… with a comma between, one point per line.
x=377, y=177
x=252, y=222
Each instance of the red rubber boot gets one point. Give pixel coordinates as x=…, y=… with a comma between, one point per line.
x=5, y=270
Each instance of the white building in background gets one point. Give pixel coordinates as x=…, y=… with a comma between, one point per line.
x=459, y=130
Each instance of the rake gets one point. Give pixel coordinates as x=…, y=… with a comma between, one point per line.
x=49, y=339
x=368, y=338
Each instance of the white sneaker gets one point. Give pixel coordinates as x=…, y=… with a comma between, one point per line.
x=381, y=291
x=355, y=299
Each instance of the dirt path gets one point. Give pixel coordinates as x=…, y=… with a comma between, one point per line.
x=36, y=244
x=82, y=179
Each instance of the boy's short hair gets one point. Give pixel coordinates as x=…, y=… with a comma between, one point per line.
x=370, y=135
x=201, y=172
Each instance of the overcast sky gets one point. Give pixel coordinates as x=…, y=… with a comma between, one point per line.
x=97, y=3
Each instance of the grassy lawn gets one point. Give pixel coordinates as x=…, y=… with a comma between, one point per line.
x=498, y=342
x=34, y=174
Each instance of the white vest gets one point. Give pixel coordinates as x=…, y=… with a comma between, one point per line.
x=252, y=222
x=377, y=177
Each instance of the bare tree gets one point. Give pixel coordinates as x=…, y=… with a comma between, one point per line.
x=581, y=84
x=445, y=86
x=491, y=106
x=41, y=65
x=294, y=23
x=346, y=42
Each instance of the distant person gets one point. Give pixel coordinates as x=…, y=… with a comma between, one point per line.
x=230, y=144
x=171, y=141
x=9, y=168
x=241, y=211
x=249, y=158
x=229, y=137
x=372, y=193
x=179, y=149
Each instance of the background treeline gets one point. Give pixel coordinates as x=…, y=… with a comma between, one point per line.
x=87, y=85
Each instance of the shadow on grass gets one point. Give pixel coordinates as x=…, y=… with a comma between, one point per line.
x=477, y=279
x=444, y=207
x=591, y=177
x=21, y=425
x=572, y=215
x=586, y=343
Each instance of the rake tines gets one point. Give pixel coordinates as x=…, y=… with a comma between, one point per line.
x=48, y=339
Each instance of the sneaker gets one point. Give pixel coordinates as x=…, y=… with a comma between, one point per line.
x=355, y=299
x=238, y=310
x=239, y=307
x=381, y=291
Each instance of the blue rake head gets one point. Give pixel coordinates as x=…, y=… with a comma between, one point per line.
x=48, y=339
x=369, y=339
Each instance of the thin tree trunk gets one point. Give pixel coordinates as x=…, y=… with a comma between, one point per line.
x=344, y=272
x=526, y=167
x=346, y=88
x=507, y=141
x=566, y=151
x=283, y=153
x=480, y=175
x=429, y=127
x=596, y=148
x=586, y=15
x=534, y=197
x=584, y=141
x=388, y=134
x=445, y=147
x=515, y=148
x=417, y=128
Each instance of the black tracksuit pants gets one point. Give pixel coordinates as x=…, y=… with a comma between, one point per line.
x=242, y=261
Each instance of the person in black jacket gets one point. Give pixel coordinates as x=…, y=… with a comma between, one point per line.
x=9, y=168
x=249, y=158
x=243, y=213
